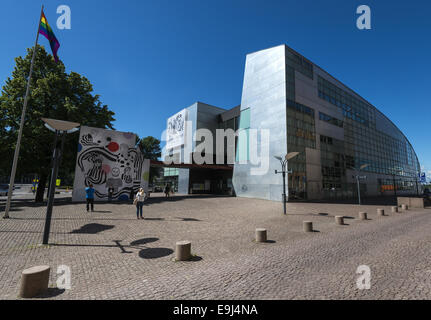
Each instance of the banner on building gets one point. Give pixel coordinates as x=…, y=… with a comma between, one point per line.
x=175, y=135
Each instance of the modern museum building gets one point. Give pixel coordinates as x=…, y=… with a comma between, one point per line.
x=338, y=134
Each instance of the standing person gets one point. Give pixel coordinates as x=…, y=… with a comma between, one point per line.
x=140, y=198
x=167, y=190
x=89, y=195
x=110, y=193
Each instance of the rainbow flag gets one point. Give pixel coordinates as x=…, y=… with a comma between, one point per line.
x=45, y=30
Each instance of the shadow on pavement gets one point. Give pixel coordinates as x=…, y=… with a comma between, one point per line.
x=71, y=219
x=67, y=200
x=51, y=293
x=175, y=219
x=383, y=200
x=195, y=259
x=188, y=219
x=143, y=241
x=93, y=228
x=18, y=203
x=154, y=253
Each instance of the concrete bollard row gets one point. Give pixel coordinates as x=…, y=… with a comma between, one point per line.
x=183, y=250
x=307, y=226
x=339, y=220
x=362, y=215
x=261, y=235
x=34, y=281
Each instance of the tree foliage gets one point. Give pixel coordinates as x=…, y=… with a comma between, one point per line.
x=150, y=148
x=53, y=94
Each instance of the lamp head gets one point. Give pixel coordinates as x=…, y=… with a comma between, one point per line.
x=60, y=125
x=363, y=166
x=291, y=155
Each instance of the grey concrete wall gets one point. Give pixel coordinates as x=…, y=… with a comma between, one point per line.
x=207, y=118
x=264, y=92
x=183, y=181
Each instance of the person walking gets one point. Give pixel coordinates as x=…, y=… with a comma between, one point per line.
x=139, y=199
x=89, y=196
x=167, y=190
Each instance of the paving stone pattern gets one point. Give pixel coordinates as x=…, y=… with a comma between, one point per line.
x=113, y=255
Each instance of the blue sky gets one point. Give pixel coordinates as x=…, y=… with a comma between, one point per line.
x=149, y=59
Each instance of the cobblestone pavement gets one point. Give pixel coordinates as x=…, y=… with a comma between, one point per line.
x=112, y=255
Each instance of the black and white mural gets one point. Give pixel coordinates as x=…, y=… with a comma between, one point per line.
x=176, y=130
x=108, y=158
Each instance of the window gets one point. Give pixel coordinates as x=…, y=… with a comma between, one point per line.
x=331, y=120
x=244, y=120
x=352, y=108
x=300, y=126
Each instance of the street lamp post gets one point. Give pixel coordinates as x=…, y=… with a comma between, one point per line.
x=285, y=169
x=61, y=128
x=357, y=180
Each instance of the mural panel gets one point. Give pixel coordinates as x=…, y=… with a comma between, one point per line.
x=109, y=158
x=176, y=130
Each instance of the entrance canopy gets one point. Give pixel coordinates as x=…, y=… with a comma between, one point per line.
x=157, y=163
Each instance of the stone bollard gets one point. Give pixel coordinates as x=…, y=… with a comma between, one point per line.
x=380, y=212
x=362, y=215
x=183, y=250
x=34, y=281
x=308, y=226
x=261, y=235
x=339, y=220
x=405, y=206
x=394, y=209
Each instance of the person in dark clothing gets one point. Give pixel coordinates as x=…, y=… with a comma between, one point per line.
x=110, y=193
x=89, y=195
x=167, y=190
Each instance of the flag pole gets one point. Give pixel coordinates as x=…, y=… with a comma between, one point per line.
x=18, y=143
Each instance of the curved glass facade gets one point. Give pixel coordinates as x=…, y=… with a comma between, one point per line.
x=371, y=139
x=335, y=131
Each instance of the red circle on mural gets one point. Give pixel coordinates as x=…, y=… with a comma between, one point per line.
x=113, y=146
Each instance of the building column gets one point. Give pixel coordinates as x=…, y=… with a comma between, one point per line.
x=183, y=181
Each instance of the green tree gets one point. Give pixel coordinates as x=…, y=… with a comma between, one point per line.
x=5, y=151
x=150, y=148
x=54, y=94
